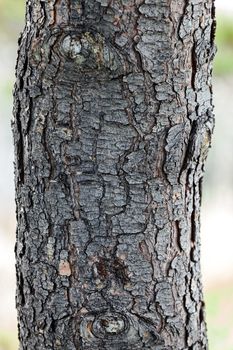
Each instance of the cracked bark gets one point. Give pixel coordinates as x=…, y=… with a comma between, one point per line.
x=112, y=125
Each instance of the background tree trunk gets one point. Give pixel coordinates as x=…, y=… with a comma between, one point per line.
x=113, y=119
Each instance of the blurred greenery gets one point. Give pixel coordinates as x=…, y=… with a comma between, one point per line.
x=219, y=310
x=8, y=341
x=11, y=17
x=223, y=63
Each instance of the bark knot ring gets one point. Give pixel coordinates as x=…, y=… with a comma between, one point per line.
x=71, y=46
x=109, y=324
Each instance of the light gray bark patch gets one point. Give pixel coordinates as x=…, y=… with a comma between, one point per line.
x=162, y=242
x=176, y=143
x=164, y=296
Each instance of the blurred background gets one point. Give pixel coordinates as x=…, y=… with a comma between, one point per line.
x=217, y=209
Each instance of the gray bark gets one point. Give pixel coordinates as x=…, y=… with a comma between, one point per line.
x=112, y=124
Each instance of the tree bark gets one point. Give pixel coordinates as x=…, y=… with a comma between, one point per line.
x=112, y=124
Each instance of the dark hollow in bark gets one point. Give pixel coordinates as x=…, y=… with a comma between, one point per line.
x=112, y=124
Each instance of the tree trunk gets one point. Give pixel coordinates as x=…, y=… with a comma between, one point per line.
x=112, y=124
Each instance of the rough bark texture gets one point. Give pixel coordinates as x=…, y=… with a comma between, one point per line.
x=112, y=124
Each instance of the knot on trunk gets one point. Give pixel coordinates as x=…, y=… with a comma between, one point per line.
x=109, y=324
x=92, y=52
x=118, y=330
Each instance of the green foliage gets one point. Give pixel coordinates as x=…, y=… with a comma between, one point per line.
x=223, y=63
x=219, y=309
x=224, y=31
x=11, y=9
x=8, y=341
x=11, y=17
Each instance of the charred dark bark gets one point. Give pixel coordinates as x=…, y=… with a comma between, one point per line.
x=112, y=124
